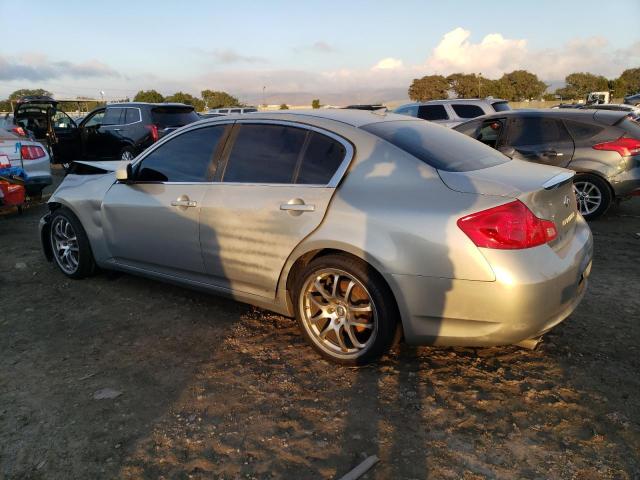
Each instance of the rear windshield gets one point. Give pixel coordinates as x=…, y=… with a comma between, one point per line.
x=173, y=116
x=437, y=146
x=501, y=106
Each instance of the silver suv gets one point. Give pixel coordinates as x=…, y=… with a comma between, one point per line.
x=453, y=112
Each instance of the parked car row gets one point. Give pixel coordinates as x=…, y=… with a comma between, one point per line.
x=365, y=226
x=117, y=131
x=600, y=143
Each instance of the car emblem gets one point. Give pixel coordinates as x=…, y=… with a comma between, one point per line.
x=566, y=201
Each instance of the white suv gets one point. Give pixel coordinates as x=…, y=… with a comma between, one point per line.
x=455, y=111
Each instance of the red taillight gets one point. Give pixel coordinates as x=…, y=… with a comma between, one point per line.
x=508, y=227
x=4, y=162
x=624, y=146
x=154, y=132
x=31, y=152
x=19, y=131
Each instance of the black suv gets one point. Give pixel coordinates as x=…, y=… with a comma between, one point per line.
x=602, y=147
x=119, y=131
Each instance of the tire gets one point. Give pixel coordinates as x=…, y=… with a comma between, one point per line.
x=335, y=321
x=127, y=154
x=593, y=195
x=65, y=233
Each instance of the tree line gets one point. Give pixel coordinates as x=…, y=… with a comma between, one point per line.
x=208, y=99
x=521, y=85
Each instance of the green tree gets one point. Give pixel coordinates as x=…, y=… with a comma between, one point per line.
x=181, y=97
x=315, y=103
x=28, y=91
x=524, y=85
x=284, y=106
x=150, y=96
x=218, y=99
x=628, y=83
x=430, y=87
x=579, y=84
x=464, y=85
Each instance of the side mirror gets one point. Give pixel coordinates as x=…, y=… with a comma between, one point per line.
x=508, y=151
x=125, y=174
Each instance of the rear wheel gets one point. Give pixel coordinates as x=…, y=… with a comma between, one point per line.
x=127, y=154
x=592, y=194
x=70, y=245
x=345, y=309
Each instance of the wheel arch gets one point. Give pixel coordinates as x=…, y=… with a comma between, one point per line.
x=301, y=259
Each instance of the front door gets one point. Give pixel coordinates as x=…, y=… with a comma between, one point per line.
x=90, y=134
x=275, y=184
x=67, y=144
x=541, y=140
x=152, y=223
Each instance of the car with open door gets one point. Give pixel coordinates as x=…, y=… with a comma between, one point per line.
x=120, y=131
x=601, y=146
x=365, y=226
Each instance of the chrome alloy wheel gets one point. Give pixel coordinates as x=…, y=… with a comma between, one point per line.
x=64, y=244
x=127, y=156
x=338, y=313
x=588, y=196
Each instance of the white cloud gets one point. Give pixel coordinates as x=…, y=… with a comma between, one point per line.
x=34, y=67
x=495, y=55
x=492, y=56
x=388, y=63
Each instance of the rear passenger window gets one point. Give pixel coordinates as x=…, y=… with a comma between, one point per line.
x=236, y=110
x=132, y=115
x=467, y=111
x=321, y=159
x=432, y=112
x=264, y=154
x=582, y=131
x=185, y=158
x=537, y=131
x=114, y=116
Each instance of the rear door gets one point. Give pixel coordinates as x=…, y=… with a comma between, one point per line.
x=152, y=223
x=275, y=182
x=540, y=139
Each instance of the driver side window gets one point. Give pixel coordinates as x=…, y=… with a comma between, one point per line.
x=96, y=119
x=62, y=120
x=185, y=158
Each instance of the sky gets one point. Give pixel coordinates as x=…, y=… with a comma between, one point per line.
x=291, y=51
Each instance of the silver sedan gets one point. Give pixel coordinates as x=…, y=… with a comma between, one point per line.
x=367, y=227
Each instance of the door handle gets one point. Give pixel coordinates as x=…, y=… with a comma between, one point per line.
x=117, y=129
x=184, y=203
x=297, y=207
x=552, y=153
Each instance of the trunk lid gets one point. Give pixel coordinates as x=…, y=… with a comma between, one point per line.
x=546, y=191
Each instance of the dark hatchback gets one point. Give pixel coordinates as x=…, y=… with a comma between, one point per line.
x=602, y=147
x=119, y=131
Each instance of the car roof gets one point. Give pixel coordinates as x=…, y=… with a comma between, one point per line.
x=608, y=117
x=354, y=118
x=459, y=100
x=142, y=104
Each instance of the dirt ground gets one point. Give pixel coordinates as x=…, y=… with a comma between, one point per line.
x=122, y=377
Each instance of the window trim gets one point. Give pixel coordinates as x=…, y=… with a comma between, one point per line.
x=123, y=124
x=333, y=181
x=222, y=152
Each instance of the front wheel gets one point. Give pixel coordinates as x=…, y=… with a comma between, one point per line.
x=592, y=194
x=345, y=309
x=70, y=245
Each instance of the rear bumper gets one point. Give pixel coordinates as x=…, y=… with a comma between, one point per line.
x=628, y=182
x=534, y=290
